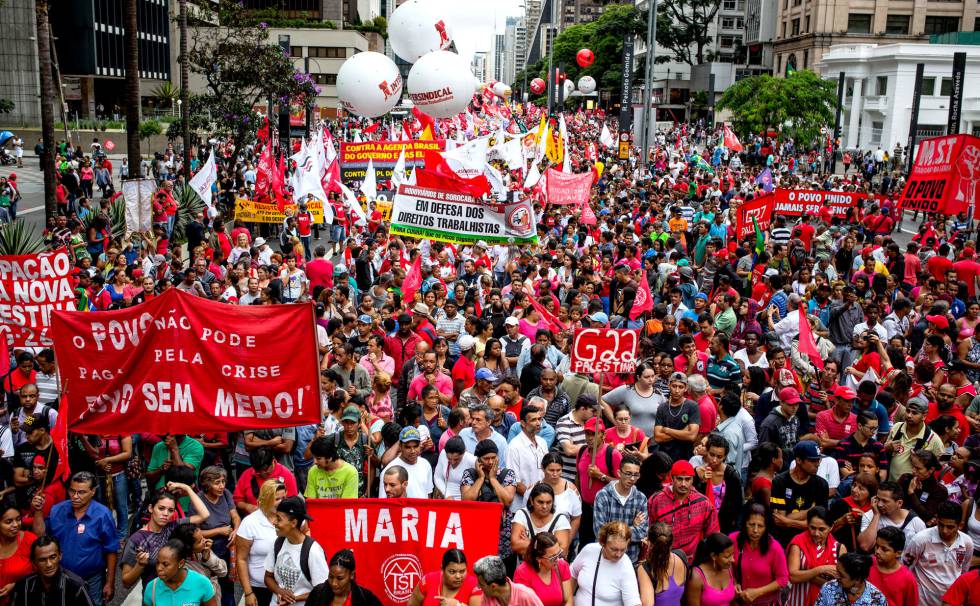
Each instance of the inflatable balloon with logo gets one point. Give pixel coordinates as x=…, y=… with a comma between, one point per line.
x=369, y=84
x=537, y=86
x=417, y=28
x=441, y=84
x=584, y=58
x=586, y=85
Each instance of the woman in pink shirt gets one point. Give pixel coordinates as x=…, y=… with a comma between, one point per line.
x=546, y=572
x=760, y=562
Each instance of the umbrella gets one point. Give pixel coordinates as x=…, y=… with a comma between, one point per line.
x=5, y=136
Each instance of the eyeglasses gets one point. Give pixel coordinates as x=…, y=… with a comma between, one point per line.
x=556, y=557
x=629, y=474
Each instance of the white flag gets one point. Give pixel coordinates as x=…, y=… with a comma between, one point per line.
x=357, y=137
x=566, y=165
x=398, y=174
x=533, y=176
x=606, y=137
x=202, y=181
x=370, y=185
x=468, y=160
x=354, y=205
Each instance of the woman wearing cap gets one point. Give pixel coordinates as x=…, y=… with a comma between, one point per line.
x=341, y=588
x=291, y=572
x=606, y=559
x=812, y=558
x=488, y=482
x=450, y=586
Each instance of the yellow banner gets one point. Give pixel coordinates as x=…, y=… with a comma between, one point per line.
x=254, y=212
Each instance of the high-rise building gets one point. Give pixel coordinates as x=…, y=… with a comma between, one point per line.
x=505, y=52
x=478, y=66
x=760, y=30
x=575, y=12
x=805, y=30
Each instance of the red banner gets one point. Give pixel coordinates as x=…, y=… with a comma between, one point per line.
x=32, y=287
x=183, y=364
x=760, y=208
x=604, y=350
x=397, y=541
x=944, y=176
x=567, y=188
x=798, y=202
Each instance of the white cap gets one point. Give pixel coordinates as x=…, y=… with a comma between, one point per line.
x=512, y=321
x=466, y=343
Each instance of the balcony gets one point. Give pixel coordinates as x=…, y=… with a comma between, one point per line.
x=876, y=103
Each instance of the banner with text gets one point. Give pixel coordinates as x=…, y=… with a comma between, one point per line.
x=604, y=350
x=422, y=212
x=396, y=541
x=183, y=364
x=251, y=211
x=32, y=287
x=944, y=176
x=566, y=188
x=759, y=208
x=798, y=202
x=354, y=157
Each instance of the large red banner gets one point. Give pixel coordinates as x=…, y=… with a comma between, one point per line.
x=567, y=188
x=758, y=208
x=183, y=364
x=944, y=176
x=397, y=541
x=604, y=350
x=798, y=202
x=383, y=155
x=32, y=287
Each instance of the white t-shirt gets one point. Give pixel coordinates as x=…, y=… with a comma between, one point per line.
x=618, y=586
x=743, y=357
x=419, y=479
x=289, y=572
x=447, y=479
x=569, y=502
x=257, y=528
x=914, y=526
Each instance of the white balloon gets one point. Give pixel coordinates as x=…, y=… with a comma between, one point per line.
x=586, y=85
x=569, y=88
x=499, y=88
x=416, y=29
x=369, y=84
x=441, y=84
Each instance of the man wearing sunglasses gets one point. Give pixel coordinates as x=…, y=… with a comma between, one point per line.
x=621, y=501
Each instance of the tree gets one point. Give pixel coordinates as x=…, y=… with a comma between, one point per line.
x=241, y=69
x=798, y=105
x=682, y=27
x=46, y=77
x=132, y=87
x=167, y=93
x=6, y=106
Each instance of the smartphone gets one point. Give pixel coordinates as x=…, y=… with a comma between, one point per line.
x=634, y=445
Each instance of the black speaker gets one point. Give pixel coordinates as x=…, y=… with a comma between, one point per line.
x=283, y=125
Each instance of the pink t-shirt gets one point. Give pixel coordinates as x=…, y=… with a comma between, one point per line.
x=757, y=570
x=520, y=595
x=709, y=414
x=835, y=429
x=443, y=383
x=588, y=487
x=550, y=595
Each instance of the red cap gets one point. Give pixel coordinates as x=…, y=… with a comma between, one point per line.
x=968, y=252
x=939, y=321
x=789, y=395
x=682, y=468
x=591, y=424
x=842, y=391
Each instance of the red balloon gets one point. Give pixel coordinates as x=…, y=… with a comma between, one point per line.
x=537, y=86
x=584, y=57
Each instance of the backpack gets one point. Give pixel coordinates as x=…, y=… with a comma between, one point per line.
x=304, y=555
x=530, y=525
x=920, y=442
x=609, y=457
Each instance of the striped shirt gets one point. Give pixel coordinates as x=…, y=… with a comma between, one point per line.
x=569, y=430
x=48, y=391
x=780, y=235
x=68, y=590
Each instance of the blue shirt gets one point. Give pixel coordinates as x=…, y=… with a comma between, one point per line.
x=86, y=541
x=196, y=589
x=884, y=423
x=547, y=432
x=470, y=440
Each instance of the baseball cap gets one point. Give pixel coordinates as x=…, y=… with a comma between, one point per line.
x=939, y=321
x=364, y=319
x=918, y=404
x=512, y=321
x=806, y=449
x=409, y=434
x=789, y=395
x=485, y=374
x=595, y=424
x=294, y=507
x=687, y=272
x=466, y=343
x=785, y=377
x=36, y=422
x=600, y=317
x=845, y=392
x=702, y=296
x=682, y=468
x=678, y=376
x=481, y=244
x=351, y=413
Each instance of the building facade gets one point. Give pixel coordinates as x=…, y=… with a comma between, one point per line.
x=879, y=81
x=19, y=80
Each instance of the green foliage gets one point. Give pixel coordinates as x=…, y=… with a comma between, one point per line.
x=189, y=205
x=798, y=105
x=6, y=106
x=167, y=93
x=20, y=238
x=682, y=28
x=379, y=25
x=149, y=128
x=117, y=218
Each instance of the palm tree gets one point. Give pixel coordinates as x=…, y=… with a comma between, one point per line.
x=47, y=107
x=132, y=89
x=167, y=93
x=20, y=238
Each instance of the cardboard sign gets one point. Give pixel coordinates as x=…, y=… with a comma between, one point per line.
x=944, y=176
x=604, y=350
x=251, y=211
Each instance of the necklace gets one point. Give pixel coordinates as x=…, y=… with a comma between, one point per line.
x=672, y=414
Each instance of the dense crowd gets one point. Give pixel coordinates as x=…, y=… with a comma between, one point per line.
x=730, y=467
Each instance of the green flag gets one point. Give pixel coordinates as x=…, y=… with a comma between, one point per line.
x=760, y=240
x=700, y=163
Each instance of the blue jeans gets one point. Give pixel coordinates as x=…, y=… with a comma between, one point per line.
x=307, y=246
x=93, y=586
x=336, y=233
x=120, y=502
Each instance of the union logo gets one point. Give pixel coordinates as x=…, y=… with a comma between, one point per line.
x=401, y=573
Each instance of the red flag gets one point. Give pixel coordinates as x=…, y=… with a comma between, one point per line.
x=553, y=322
x=264, y=174
x=372, y=129
x=807, y=344
x=331, y=178
x=730, y=140
x=279, y=183
x=588, y=215
x=59, y=434
x=424, y=120
x=437, y=173
x=413, y=280
x=263, y=134
x=644, y=300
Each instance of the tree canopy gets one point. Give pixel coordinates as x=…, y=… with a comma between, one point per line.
x=798, y=105
x=682, y=28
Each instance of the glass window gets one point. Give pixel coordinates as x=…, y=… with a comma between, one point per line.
x=881, y=85
x=295, y=51
x=796, y=27
x=941, y=25
x=946, y=87
x=859, y=24
x=898, y=24
x=928, y=86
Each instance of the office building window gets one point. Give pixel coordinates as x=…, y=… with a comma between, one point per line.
x=327, y=52
x=729, y=41
x=806, y=27
x=881, y=85
x=946, y=87
x=295, y=51
x=796, y=27
x=941, y=25
x=898, y=24
x=928, y=86
x=806, y=58
x=859, y=24
x=327, y=79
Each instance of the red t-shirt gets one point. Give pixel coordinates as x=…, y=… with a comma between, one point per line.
x=966, y=271
x=701, y=367
x=304, y=224
x=465, y=370
x=826, y=421
x=320, y=273
x=806, y=234
x=899, y=587
x=701, y=342
x=965, y=591
x=244, y=492
x=431, y=586
x=938, y=266
x=551, y=594
x=954, y=412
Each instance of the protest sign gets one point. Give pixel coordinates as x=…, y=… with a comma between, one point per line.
x=138, y=197
x=449, y=216
x=798, y=202
x=184, y=364
x=396, y=541
x=32, y=287
x=384, y=155
x=759, y=208
x=604, y=350
x=567, y=188
x=251, y=211
x=944, y=176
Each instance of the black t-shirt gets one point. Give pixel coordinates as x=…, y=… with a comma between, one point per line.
x=24, y=458
x=788, y=496
x=678, y=417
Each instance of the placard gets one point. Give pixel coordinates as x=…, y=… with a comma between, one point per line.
x=604, y=350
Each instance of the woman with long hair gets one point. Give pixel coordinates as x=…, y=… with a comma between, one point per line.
x=719, y=481
x=662, y=573
x=568, y=501
x=768, y=461
x=341, y=588
x=255, y=540
x=449, y=586
x=546, y=572
x=760, y=562
x=712, y=582
x=539, y=516
x=847, y=512
x=641, y=398
x=812, y=558
x=494, y=359
x=923, y=493
x=15, y=548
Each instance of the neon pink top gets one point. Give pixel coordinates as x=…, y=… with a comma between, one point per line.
x=551, y=594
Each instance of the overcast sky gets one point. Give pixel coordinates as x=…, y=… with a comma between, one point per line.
x=473, y=22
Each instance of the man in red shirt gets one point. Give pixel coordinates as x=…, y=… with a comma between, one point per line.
x=967, y=269
x=319, y=271
x=888, y=573
x=263, y=467
x=464, y=371
x=806, y=231
x=938, y=265
x=913, y=266
x=945, y=404
x=304, y=228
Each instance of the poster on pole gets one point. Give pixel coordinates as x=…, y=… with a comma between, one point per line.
x=604, y=350
x=760, y=209
x=451, y=216
x=568, y=188
x=32, y=288
x=944, y=175
x=799, y=202
x=251, y=211
x=138, y=197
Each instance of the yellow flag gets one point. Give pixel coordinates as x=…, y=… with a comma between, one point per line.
x=599, y=166
x=555, y=149
x=427, y=135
